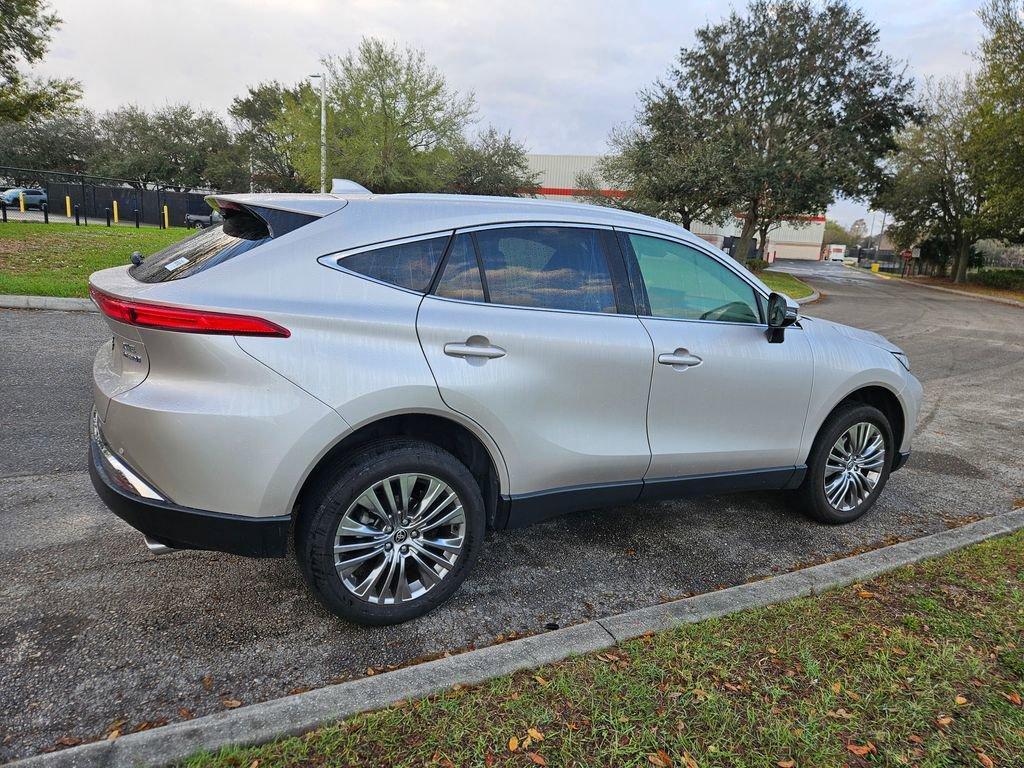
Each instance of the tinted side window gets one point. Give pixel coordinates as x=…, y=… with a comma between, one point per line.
x=461, y=276
x=552, y=267
x=408, y=265
x=684, y=283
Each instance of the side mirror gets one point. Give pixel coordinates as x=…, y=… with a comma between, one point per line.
x=782, y=313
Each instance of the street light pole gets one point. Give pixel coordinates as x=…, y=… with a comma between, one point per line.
x=323, y=130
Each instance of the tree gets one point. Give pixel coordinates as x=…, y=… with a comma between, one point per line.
x=667, y=165
x=25, y=30
x=836, y=233
x=997, y=120
x=803, y=98
x=257, y=118
x=392, y=120
x=493, y=164
x=175, y=146
x=933, y=190
x=60, y=143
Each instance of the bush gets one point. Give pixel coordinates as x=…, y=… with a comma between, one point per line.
x=757, y=265
x=1008, y=279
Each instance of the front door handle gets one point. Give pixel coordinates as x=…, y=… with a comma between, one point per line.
x=475, y=346
x=680, y=359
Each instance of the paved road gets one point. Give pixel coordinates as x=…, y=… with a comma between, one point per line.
x=94, y=631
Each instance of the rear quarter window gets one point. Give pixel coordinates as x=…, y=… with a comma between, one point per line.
x=407, y=265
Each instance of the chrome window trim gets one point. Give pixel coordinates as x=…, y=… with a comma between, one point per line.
x=534, y=223
x=533, y=309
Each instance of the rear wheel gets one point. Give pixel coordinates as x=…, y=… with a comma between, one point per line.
x=848, y=466
x=392, y=533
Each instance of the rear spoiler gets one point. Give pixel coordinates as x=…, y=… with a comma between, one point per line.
x=309, y=205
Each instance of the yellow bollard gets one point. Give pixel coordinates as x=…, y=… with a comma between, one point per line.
x=166, y=225
x=874, y=266
x=115, y=211
x=21, y=201
x=67, y=206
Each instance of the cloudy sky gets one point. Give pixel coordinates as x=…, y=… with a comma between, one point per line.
x=559, y=75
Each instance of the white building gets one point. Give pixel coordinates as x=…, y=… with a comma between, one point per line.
x=794, y=239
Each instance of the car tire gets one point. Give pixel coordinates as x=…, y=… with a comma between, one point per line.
x=813, y=494
x=340, y=496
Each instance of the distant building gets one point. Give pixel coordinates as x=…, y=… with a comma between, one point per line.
x=794, y=239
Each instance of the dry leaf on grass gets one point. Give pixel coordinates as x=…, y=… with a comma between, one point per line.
x=861, y=750
x=513, y=744
x=787, y=763
x=660, y=759
x=231, y=703
x=535, y=734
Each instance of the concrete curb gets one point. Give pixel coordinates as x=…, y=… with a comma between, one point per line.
x=47, y=302
x=809, y=299
x=968, y=294
x=293, y=715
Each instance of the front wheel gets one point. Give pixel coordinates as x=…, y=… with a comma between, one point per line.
x=848, y=466
x=392, y=533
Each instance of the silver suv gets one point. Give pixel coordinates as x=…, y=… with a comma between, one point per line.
x=380, y=379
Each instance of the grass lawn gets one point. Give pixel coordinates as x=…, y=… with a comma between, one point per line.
x=922, y=667
x=786, y=283
x=56, y=259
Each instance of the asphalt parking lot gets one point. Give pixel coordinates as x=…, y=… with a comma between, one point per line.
x=96, y=634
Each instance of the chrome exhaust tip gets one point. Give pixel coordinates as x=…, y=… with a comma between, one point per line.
x=156, y=548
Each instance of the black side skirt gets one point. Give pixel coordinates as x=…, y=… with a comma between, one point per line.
x=186, y=528
x=526, y=509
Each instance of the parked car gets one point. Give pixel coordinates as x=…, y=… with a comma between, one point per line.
x=34, y=198
x=202, y=220
x=382, y=379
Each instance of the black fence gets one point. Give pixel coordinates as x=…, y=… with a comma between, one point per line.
x=52, y=196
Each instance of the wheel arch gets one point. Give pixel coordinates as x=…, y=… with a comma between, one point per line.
x=882, y=398
x=483, y=461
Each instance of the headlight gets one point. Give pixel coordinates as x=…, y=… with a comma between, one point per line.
x=902, y=357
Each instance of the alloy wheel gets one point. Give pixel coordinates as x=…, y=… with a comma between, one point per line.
x=400, y=538
x=854, y=466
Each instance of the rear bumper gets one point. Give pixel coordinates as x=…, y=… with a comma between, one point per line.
x=144, y=508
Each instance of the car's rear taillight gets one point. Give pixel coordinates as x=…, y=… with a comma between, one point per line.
x=167, y=318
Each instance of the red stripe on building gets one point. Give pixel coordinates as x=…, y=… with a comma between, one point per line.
x=570, y=192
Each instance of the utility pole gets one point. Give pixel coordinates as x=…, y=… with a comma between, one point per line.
x=323, y=129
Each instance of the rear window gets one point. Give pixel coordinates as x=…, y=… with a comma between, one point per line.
x=241, y=231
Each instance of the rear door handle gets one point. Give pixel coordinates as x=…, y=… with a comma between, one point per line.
x=681, y=358
x=464, y=349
